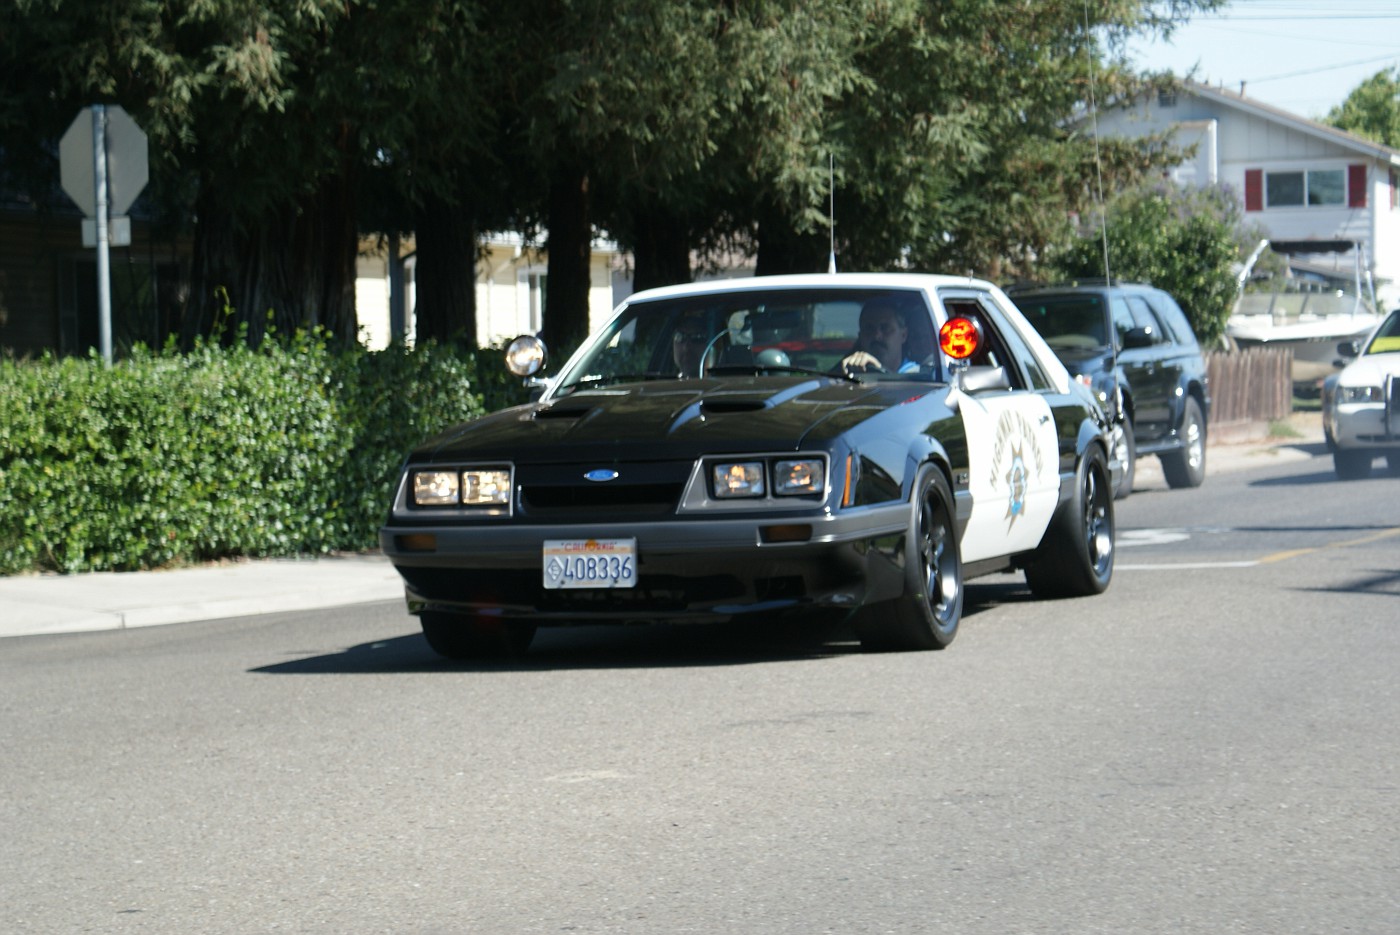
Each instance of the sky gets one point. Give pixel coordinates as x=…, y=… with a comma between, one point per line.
x=1303, y=56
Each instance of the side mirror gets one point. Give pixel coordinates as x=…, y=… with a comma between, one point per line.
x=1137, y=337
x=974, y=379
x=1349, y=349
x=526, y=356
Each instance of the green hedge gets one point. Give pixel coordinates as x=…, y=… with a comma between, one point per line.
x=168, y=458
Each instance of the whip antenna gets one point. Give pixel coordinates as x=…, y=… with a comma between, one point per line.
x=1098, y=161
x=831, y=214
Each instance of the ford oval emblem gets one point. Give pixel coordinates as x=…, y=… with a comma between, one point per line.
x=599, y=475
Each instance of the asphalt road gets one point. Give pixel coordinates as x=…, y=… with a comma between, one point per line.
x=1210, y=747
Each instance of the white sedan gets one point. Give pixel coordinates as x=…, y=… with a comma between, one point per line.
x=1361, y=404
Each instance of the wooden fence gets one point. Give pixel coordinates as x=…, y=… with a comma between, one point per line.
x=1250, y=385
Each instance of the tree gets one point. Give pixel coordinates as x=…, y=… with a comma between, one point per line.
x=1185, y=241
x=1372, y=109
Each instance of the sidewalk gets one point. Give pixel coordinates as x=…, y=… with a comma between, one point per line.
x=38, y=604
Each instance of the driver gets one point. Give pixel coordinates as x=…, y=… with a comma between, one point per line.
x=880, y=343
x=688, y=344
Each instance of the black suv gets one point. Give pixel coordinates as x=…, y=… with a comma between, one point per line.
x=1135, y=349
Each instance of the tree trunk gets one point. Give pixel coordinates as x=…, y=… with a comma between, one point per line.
x=661, y=251
x=570, y=250
x=293, y=270
x=445, y=275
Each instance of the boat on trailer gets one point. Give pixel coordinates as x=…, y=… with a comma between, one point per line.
x=1320, y=300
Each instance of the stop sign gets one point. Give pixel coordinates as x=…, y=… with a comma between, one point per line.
x=127, y=166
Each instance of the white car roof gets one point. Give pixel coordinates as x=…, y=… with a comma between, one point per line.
x=925, y=281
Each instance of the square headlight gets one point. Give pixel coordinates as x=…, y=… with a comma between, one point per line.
x=798, y=477
x=734, y=479
x=485, y=487
x=1361, y=394
x=436, y=488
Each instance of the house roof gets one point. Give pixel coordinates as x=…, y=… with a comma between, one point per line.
x=1252, y=107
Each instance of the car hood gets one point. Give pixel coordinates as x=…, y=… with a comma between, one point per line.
x=1084, y=360
x=1370, y=370
x=668, y=419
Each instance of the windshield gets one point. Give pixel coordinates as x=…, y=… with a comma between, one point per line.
x=1386, y=340
x=757, y=332
x=1069, y=321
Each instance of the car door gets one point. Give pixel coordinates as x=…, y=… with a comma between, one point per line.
x=1150, y=373
x=1012, y=448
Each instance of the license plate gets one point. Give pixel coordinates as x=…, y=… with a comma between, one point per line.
x=590, y=563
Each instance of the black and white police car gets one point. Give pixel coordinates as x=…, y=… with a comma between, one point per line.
x=856, y=445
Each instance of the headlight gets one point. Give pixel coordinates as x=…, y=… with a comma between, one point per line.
x=485, y=487
x=436, y=488
x=798, y=477
x=1360, y=394
x=462, y=487
x=738, y=479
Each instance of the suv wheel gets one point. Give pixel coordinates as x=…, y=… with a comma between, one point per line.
x=1186, y=466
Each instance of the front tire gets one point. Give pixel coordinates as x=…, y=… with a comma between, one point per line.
x=1351, y=464
x=1075, y=559
x=1186, y=467
x=475, y=637
x=926, y=616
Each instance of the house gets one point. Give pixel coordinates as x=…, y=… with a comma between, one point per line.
x=1298, y=179
x=511, y=288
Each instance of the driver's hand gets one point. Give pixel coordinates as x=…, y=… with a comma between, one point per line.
x=862, y=360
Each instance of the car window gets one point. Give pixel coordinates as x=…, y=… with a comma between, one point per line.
x=757, y=331
x=1387, y=337
x=1171, y=315
x=1067, y=322
x=1002, y=345
x=1144, y=317
x=1122, y=317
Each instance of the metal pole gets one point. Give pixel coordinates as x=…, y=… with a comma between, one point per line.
x=104, y=278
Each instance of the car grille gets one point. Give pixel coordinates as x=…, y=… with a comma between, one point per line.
x=561, y=492
x=545, y=501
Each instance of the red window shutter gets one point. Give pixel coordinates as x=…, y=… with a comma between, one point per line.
x=1254, y=189
x=1356, y=186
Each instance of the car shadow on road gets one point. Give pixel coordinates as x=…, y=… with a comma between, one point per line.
x=625, y=647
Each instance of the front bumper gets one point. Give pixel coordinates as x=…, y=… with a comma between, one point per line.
x=1364, y=425
x=698, y=569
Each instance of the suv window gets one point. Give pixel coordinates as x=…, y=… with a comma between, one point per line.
x=1122, y=318
x=1173, y=318
x=1146, y=318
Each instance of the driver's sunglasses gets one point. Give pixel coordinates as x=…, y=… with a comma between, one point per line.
x=691, y=337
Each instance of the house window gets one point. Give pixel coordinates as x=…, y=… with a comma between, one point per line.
x=1313, y=188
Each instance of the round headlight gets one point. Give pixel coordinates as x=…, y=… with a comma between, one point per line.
x=525, y=356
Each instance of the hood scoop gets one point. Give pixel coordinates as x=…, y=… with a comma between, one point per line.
x=715, y=407
x=562, y=412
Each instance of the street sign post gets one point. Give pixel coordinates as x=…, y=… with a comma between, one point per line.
x=103, y=167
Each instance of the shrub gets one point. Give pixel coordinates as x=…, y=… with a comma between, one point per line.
x=168, y=458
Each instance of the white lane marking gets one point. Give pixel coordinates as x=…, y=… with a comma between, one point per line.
x=1128, y=538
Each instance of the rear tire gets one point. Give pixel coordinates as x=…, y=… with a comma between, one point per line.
x=1075, y=558
x=926, y=616
x=467, y=637
x=1351, y=464
x=1186, y=467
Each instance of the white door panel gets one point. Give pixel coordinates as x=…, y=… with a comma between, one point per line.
x=1014, y=476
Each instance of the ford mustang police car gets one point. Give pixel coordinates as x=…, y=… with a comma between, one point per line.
x=856, y=445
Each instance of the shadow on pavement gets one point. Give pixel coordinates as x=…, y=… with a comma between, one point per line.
x=629, y=647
